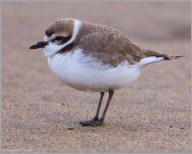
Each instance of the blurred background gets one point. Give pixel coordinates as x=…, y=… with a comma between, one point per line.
x=41, y=115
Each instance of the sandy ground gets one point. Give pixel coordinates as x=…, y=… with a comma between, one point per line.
x=40, y=114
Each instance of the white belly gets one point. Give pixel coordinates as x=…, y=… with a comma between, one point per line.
x=84, y=73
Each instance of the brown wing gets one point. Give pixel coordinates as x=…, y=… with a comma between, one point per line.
x=110, y=48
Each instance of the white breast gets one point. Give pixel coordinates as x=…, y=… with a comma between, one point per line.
x=84, y=73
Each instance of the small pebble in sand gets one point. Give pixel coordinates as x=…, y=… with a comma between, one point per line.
x=70, y=128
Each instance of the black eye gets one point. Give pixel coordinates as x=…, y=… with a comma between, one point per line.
x=59, y=38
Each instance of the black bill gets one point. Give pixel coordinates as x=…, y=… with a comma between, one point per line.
x=41, y=44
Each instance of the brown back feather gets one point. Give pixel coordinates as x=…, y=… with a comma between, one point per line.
x=108, y=45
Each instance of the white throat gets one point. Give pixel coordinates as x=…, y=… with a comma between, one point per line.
x=53, y=48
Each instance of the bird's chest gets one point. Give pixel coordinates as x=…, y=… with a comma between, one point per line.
x=73, y=69
x=65, y=67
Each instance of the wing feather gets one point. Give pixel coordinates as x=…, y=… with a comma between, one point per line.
x=110, y=48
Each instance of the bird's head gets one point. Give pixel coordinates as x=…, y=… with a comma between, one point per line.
x=58, y=35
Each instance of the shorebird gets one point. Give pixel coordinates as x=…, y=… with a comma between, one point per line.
x=93, y=57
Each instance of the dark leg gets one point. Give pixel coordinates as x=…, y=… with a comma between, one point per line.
x=100, y=121
x=111, y=92
x=99, y=105
x=92, y=121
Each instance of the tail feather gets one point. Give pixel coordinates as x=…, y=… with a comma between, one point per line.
x=150, y=53
x=173, y=57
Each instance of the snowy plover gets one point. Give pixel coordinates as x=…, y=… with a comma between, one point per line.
x=92, y=57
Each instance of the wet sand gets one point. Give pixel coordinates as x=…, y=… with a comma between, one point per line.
x=39, y=114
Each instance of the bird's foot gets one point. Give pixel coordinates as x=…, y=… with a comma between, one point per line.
x=93, y=122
